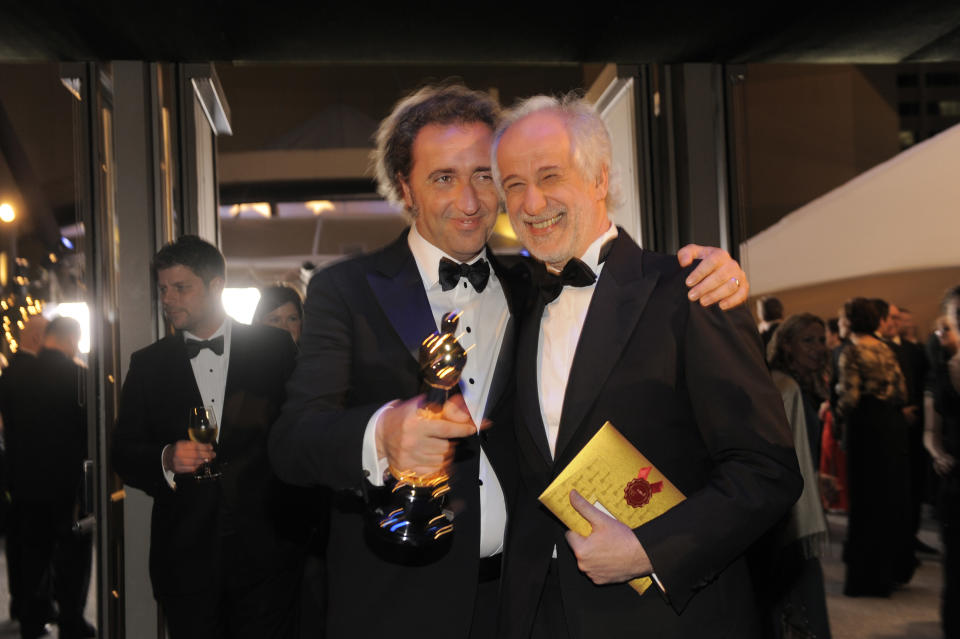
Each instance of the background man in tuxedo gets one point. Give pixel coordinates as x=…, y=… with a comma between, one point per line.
x=31, y=340
x=225, y=554
x=46, y=437
x=770, y=312
x=686, y=385
x=350, y=414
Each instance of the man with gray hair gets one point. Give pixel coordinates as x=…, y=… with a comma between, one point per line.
x=613, y=337
x=352, y=410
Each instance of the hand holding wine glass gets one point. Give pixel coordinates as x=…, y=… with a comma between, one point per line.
x=185, y=456
x=202, y=429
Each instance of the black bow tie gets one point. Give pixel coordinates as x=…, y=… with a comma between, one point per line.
x=450, y=273
x=194, y=346
x=574, y=273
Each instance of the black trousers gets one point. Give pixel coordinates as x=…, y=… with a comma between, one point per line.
x=51, y=559
x=237, y=602
x=484, y=623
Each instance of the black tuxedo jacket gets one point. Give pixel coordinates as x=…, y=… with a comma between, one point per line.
x=248, y=500
x=364, y=321
x=689, y=388
x=44, y=427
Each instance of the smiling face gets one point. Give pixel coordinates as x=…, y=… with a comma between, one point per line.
x=555, y=210
x=188, y=303
x=450, y=188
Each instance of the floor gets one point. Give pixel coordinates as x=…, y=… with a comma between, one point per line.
x=910, y=613
x=10, y=629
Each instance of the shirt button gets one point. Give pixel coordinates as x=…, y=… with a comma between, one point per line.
x=480, y=482
x=464, y=285
x=468, y=329
x=211, y=370
x=471, y=380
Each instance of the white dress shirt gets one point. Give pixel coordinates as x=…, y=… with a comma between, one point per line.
x=210, y=373
x=560, y=331
x=559, y=334
x=480, y=329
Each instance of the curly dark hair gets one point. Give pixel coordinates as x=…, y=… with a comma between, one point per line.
x=863, y=315
x=200, y=256
x=444, y=104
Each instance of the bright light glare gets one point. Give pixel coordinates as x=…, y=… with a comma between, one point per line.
x=262, y=208
x=6, y=213
x=79, y=312
x=240, y=303
x=319, y=206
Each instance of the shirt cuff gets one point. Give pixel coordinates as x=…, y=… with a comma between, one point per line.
x=167, y=474
x=374, y=465
x=657, y=581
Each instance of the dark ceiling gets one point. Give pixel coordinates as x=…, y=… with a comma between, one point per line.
x=485, y=32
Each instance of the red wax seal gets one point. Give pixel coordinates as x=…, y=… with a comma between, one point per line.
x=639, y=491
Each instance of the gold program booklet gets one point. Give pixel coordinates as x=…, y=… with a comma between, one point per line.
x=615, y=477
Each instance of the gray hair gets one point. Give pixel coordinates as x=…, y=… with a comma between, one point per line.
x=589, y=139
x=446, y=104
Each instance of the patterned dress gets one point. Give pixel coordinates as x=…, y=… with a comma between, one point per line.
x=878, y=550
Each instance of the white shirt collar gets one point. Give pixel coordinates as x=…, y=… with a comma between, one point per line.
x=223, y=330
x=592, y=255
x=428, y=257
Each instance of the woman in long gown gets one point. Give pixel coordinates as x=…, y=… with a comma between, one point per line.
x=878, y=551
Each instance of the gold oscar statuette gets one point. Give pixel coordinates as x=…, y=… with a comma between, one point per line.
x=413, y=514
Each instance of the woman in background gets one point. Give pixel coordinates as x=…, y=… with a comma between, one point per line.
x=792, y=580
x=280, y=306
x=879, y=548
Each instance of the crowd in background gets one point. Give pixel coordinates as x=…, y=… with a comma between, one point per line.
x=876, y=426
x=874, y=411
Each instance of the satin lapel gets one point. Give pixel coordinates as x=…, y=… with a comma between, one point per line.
x=399, y=290
x=620, y=297
x=528, y=395
x=182, y=372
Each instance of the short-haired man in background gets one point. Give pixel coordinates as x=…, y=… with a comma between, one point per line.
x=46, y=438
x=225, y=554
x=770, y=312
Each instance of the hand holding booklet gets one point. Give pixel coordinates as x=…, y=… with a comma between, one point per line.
x=614, y=476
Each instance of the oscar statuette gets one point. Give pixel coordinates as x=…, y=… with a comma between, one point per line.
x=413, y=514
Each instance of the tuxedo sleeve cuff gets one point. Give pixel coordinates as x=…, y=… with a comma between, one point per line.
x=167, y=474
x=659, y=584
x=372, y=464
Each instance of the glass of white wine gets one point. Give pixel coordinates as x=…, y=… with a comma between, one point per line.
x=202, y=428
